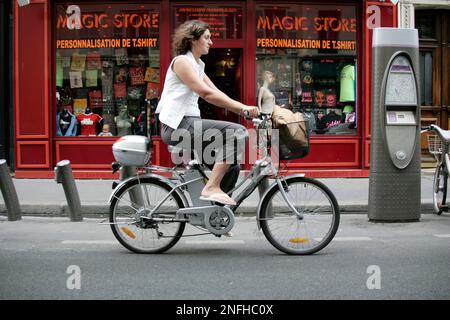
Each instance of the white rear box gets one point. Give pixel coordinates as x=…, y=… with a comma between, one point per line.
x=132, y=151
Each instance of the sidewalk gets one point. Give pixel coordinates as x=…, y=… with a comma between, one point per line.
x=46, y=197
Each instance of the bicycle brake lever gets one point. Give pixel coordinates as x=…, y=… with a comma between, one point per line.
x=115, y=167
x=247, y=115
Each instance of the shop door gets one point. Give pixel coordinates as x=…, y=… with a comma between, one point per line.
x=434, y=41
x=223, y=67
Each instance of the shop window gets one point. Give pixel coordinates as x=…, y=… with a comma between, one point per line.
x=307, y=58
x=107, y=69
x=225, y=21
x=223, y=64
x=426, y=78
x=426, y=25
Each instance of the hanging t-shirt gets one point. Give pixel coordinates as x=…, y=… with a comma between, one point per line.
x=330, y=120
x=66, y=124
x=347, y=84
x=88, y=123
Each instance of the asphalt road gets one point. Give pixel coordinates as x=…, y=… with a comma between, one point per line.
x=52, y=258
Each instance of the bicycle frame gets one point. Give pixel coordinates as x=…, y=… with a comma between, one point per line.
x=262, y=168
x=148, y=211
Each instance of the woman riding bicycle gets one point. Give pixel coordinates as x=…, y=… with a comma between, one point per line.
x=179, y=112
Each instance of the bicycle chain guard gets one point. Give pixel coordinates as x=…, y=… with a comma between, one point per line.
x=217, y=219
x=220, y=221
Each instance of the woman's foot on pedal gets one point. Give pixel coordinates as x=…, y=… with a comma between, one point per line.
x=219, y=197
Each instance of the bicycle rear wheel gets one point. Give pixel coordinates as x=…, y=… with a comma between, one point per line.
x=440, y=189
x=300, y=235
x=129, y=213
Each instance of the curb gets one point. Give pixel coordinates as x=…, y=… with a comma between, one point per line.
x=102, y=210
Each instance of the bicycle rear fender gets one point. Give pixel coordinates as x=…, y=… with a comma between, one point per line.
x=273, y=185
x=153, y=176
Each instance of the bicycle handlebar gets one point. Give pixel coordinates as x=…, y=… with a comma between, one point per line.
x=431, y=127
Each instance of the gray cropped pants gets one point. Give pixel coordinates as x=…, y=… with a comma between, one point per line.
x=210, y=141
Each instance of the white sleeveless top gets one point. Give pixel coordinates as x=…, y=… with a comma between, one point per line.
x=177, y=100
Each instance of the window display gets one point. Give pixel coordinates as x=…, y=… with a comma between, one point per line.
x=266, y=99
x=310, y=50
x=107, y=69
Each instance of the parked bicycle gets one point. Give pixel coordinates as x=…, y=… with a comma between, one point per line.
x=438, y=145
x=148, y=212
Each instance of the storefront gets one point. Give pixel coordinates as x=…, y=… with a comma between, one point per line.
x=90, y=72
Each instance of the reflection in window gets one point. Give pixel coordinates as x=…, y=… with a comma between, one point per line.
x=426, y=25
x=426, y=78
x=107, y=69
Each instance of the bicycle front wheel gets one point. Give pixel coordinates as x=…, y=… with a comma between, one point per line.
x=439, y=189
x=313, y=229
x=130, y=212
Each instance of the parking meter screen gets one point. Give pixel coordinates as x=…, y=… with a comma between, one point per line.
x=401, y=86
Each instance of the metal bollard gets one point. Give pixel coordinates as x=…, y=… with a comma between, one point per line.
x=64, y=175
x=136, y=195
x=9, y=193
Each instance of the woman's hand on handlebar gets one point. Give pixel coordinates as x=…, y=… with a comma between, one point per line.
x=250, y=111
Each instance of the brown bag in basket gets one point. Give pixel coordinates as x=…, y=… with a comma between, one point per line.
x=292, y=129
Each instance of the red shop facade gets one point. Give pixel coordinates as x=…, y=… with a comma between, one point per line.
x=88, y=72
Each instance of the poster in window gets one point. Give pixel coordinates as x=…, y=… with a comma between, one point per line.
x=76, y=79
x=79, y=106
x=120, y=74
x=120, y=90
x=137, y=76
x=59, y=72
x=78, y=62
x=95, y=99
x=91, y=78
x=152, y=75
x=137, y=60
x=153, y=57
x=121, y=56
x=152, y=91
x=93, y=61
x=65, y=61
x=135, y=93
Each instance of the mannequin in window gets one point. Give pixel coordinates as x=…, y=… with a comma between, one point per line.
x=88, y=122
x=124, y=122
x=105, y=131
x=266, y=99
x=66, y=124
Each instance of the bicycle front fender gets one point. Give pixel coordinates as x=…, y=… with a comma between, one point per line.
x=165, y=180
x=447, y=163
x=273, y=185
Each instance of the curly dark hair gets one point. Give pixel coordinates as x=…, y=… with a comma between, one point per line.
x=186, y=33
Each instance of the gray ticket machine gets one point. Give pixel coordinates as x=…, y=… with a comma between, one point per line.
x=394, y=187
